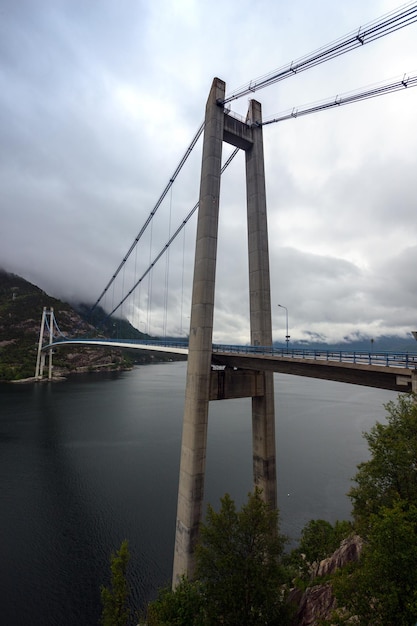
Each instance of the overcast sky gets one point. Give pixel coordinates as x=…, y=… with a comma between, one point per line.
x=99, y=100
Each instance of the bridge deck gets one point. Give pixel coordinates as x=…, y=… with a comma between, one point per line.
x=384, y=370
x=395, y=378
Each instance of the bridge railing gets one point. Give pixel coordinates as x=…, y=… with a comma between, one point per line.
x=386, y=359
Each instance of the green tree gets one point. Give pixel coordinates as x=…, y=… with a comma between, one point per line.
x=391, y=472
x=180, y=607
x=381, y=590
x=239, y=564
x=114, y=599
x=240, y=577
x=319, y=539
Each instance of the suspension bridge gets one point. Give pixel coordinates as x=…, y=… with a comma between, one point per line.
x=217, y=372
x=392, y=370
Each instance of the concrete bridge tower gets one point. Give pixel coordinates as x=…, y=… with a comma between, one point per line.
x=203, y=384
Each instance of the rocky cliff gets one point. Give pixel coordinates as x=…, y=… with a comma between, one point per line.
x=317, y=602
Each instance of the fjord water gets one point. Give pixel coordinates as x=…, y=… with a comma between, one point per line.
x=91, y=461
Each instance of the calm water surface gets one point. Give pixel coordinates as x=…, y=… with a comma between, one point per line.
x=89, y=462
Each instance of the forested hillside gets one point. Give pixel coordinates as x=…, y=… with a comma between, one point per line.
x=21, y=305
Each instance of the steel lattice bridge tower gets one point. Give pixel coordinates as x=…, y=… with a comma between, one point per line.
x=247, y=136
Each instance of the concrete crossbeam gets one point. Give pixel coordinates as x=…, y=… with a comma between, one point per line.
x=229, y=383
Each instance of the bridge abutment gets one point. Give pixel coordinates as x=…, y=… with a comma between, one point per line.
x=199, y=385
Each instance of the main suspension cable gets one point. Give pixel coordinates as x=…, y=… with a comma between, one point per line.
x=372, y=91
x=389, y=23
x=152, y=213
x=174, y=236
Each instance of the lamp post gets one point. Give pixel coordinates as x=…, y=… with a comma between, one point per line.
x=287, y=337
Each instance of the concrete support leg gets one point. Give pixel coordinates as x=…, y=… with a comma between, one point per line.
x=194, y=436
x=263, y=410
x=39, y=355
x=51, y=339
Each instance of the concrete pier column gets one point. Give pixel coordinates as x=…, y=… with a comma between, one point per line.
x=194, y=436
x=414, y=381
x=51, y=339
x=39, y=365
x=263, y=409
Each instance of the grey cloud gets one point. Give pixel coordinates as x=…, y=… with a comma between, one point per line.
x=98, y=102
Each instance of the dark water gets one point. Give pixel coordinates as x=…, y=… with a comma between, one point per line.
x=89, y=462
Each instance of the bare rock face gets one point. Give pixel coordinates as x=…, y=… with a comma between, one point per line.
x=348, y=551
x=317, y=602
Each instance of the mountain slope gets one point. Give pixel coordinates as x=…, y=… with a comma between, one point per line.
x=21, y=305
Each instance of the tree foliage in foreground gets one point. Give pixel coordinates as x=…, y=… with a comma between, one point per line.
x=240, y=576
x=391, y=473
x=319, y=539
x=239, y=562
x=182, y=607
x=381, y=590
x=115, y=598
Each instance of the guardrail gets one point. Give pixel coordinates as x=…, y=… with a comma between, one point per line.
x=386, y=359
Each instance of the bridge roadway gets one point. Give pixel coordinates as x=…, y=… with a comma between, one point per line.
x=396, y=371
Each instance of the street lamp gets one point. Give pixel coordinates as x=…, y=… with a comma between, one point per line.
x=287, y=337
